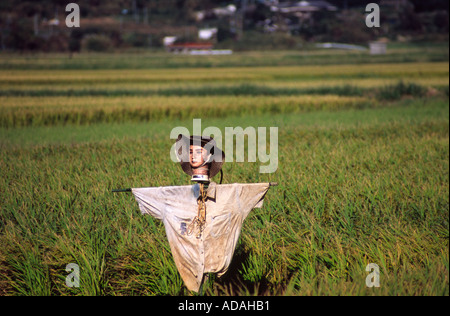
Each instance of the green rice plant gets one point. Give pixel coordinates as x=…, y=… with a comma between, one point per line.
x=146, y=59
x=26, y=111
x=362, y=179
x=395, y=92
x=32, y=275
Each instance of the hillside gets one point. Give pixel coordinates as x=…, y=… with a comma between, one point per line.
x=241, y=25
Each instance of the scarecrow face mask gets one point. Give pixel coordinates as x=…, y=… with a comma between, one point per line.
x=199, y=161
x=197, y=156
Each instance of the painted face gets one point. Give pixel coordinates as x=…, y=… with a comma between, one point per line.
x=197, y=156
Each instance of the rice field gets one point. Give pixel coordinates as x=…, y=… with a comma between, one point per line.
x=363, y=176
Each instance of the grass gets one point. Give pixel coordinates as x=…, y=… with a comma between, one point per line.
x=49, y=97
x=347, y=202
x=89, y=110
x=145, y=59
x=363, y=178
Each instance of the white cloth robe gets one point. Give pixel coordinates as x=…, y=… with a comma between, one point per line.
x=227, y=206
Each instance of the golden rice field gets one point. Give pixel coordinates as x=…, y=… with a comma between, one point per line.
x=84, y=96
x=363, y=173
x=231, y=75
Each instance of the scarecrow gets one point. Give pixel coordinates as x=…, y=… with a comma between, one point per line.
x=202, y=221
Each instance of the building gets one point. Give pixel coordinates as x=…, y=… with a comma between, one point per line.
x=302, y=7
x=186, y=48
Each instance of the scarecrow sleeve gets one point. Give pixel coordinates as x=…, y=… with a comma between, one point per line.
x=252, y=196
x=149, y=201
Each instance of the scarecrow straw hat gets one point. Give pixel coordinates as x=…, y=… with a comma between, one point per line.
x=216, y=159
